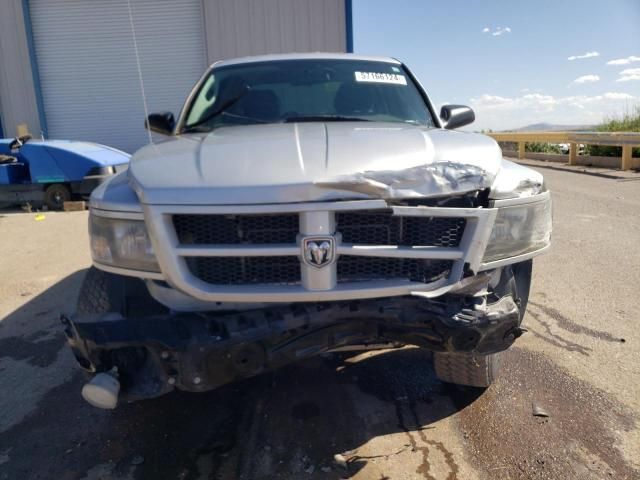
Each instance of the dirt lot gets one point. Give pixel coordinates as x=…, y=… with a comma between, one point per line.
x=383, y=413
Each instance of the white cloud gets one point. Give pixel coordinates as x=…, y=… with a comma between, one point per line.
x=500, y=113
x=540, y=98
x=498, y=31
x=586, y=55
x=491, y=100
x=624, y=61
x=587, y=79
x=617, y=96
x=628, y=78
x=629, y=74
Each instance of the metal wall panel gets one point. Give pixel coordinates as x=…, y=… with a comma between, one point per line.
x=17, y=94
x=236, y=28
x=87, y=65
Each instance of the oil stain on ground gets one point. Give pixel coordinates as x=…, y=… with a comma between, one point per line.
x=570, y=326
x=291, y=423
x=577, y=440
x=39, y=353
x=406, y=379
x=315, y=410
x=553, y=338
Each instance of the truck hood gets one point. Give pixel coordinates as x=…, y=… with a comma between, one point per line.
x=306, y=162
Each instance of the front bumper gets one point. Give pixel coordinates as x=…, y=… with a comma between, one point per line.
x=200, y=351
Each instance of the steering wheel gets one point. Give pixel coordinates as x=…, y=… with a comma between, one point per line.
x=19, y=141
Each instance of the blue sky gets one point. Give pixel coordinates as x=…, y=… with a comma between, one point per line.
x=518, y=71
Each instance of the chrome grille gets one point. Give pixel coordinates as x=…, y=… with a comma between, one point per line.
x=236, y=229
x=237, y=271
x=387, y=247
x=381, y=227
x=359, y=268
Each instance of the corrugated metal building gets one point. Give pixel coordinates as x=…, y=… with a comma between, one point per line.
x=68, y=68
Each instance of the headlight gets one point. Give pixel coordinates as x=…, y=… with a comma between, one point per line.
x=520, y=229
x=121, y=243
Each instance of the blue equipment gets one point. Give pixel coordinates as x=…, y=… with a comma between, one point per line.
x=51, y=172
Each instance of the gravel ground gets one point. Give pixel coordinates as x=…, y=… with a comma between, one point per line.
x=374, y=415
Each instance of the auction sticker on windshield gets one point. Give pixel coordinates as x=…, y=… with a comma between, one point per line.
x=377, y=77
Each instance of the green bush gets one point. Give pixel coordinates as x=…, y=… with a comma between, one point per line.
x=531, y=147
x=627, y=122
x=542, y=148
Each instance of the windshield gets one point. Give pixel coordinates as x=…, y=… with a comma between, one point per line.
x=306, y=90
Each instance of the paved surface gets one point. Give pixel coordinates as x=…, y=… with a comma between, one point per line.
x=382, y=412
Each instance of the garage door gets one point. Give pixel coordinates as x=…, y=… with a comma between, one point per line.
x=87, y=64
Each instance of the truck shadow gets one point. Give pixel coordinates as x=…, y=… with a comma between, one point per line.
x=285, y=424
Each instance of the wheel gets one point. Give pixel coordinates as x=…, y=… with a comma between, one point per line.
x=467, y=369
x=55, y=195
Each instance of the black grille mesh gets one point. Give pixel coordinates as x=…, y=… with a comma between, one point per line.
x=352, y=268
x=383, y=228
x=286, y=270
x=378, y=227
x=375, y=227
x=236, y=229
x=246, y=270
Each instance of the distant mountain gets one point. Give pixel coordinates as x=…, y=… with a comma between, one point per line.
x=548, y=127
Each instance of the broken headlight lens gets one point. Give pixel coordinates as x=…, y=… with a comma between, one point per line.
x=121, y=243
x=520, y=229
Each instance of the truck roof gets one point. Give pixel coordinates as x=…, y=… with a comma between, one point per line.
x=303, y=56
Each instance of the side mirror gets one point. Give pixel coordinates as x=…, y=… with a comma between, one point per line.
x=163, y=123
x=454, y=116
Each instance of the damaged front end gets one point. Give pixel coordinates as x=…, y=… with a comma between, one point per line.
x=226, y=252
x=156, y=352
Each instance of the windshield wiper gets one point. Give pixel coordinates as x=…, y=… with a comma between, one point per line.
x=324, y=118
x=214, y=113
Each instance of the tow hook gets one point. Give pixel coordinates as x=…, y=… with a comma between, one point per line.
x=103, y=390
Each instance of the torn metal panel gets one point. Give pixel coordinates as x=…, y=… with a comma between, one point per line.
x=434, y=179
x=475, y=286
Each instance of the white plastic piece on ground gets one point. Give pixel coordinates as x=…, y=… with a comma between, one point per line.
x=102, y=391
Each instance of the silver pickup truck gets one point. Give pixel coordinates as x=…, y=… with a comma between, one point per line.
x=302, y=204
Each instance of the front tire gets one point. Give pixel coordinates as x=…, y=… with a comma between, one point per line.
x=55, y=195
x=467, y=369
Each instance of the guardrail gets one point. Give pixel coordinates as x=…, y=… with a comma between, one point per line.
x=618, y=139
